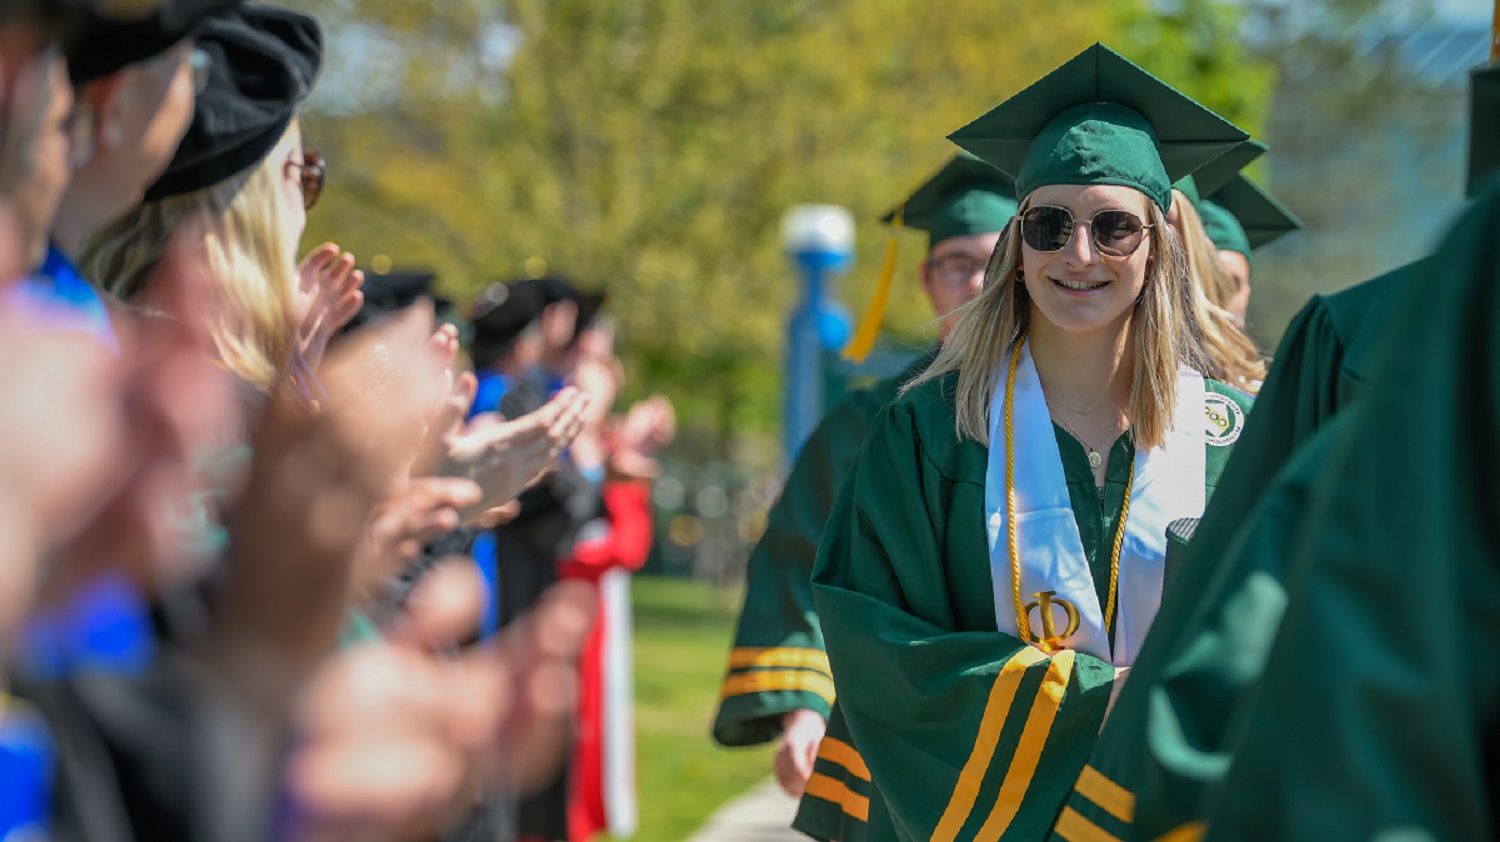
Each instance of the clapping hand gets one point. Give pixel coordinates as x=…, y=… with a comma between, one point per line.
x=328, y=296
x=506, y=457
x=315, y=483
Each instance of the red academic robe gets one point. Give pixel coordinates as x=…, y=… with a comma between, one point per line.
x=601, y=791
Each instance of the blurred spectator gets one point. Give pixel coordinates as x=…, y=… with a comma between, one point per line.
x=601, y=793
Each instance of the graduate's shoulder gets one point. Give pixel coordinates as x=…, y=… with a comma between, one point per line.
x=1355, y=309
x=1213, y=387
x=1224, y=409
x=925, y=413
x=1329, y=326
x=1361, y=315
x=929, y=401
x=887, y=390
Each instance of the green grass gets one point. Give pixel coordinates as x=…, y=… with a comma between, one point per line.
x=682, y=635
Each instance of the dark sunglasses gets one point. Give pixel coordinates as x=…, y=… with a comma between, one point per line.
x=314, y=170
x=1116, y=233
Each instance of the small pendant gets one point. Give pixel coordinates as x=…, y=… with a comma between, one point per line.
x=1095, y=460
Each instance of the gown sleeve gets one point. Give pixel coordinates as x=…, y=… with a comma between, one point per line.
x=967, y=732
x=778, y=663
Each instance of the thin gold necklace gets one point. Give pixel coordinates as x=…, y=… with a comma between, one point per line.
x=1091, y=410
x=1022, y=623
x=1095, y=457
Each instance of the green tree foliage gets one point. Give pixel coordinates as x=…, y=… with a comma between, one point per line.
x=651, y=146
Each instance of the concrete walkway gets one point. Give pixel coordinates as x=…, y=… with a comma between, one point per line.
x=763, y=814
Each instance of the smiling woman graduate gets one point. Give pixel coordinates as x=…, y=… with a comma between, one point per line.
x=994, y=560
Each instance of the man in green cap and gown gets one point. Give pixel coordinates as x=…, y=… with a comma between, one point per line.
x=1161, y=760
x=778, y=683
x=1378, y=710
x=969, y=730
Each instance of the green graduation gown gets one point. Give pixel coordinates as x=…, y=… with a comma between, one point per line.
x=1377, y=715
x=778, y=663
x=1163, y=748
x=972, y=734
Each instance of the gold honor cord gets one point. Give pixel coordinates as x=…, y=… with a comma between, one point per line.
x=1023, y=623
x=863, y=342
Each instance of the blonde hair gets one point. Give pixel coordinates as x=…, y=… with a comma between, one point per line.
x=252, y=317
x=1224, y=341
x=1166, y=324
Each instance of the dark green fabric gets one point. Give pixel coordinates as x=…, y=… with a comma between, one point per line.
x=1189, y=187
x=903, y=589
x=824, y=820
x=1099, y=143
x=1165, y=738
x=1263, y=219
x=1222, y=228
x=965, y=197
x=1098, y=519
x=1378, y=712
x=1212, y=176
x=1100, y=119
x=778, y=611
x=1484, y=124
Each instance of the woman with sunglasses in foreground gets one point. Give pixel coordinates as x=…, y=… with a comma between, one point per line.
x=995, y=557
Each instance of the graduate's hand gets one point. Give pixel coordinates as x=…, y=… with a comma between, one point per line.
x=801, y=732
x=328, y=296
x=507, y=457
x=394, y=738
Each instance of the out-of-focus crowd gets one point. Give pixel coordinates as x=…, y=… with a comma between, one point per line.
x=280, y=558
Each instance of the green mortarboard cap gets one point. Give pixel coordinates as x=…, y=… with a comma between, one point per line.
x=1189, y=187
x=1222, y=228
x=1217, y=173
x=967, y=196
x=1100, y=119
x=1263, y=218
x=1484, y=124
x=1213, y=175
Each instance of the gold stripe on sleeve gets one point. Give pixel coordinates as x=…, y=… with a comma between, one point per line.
x=1110, y=796
x=1002, y=695
x=837, y=792
x=771, y=681
x=1075, y=827
x=812, y=659
x=837, y=751
x=1029, y=750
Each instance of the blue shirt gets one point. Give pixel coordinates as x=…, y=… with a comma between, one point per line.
x=59, y=297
